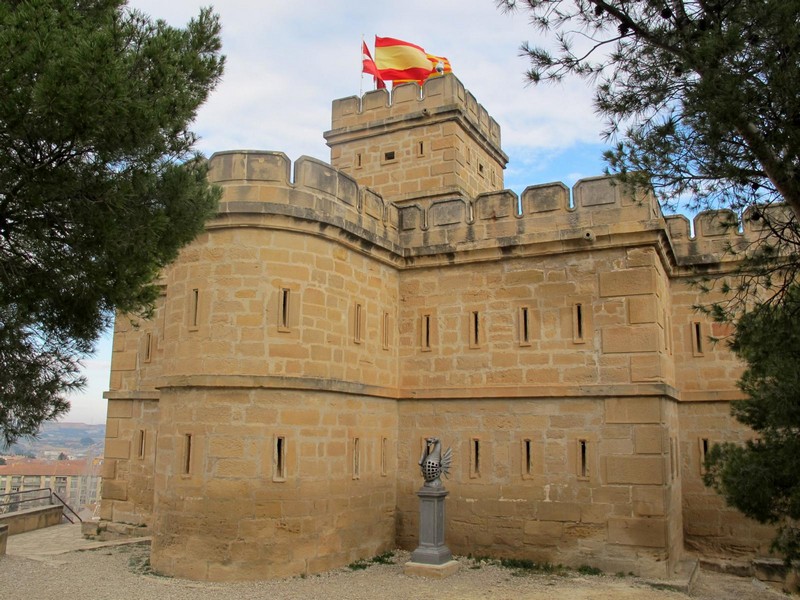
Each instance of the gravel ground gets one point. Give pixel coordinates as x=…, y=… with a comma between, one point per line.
x=122, y=573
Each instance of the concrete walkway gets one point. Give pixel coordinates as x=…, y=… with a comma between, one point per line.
x=43, y=544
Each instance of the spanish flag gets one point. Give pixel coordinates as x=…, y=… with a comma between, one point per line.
x=401, y=61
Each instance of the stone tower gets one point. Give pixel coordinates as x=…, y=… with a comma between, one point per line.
x=412, y=148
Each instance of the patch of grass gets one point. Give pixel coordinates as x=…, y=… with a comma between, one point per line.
x=587, y=570
x=524, y=566
x=380, y=559
x=480, y=558
x=383, y=559
x=518, y=563
x=358, y=565
x=481, y=561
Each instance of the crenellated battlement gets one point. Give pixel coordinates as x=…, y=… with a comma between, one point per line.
x=265, y=182
x=720, y=234
x=252, y=181
x=437, y=96
x=543, y=212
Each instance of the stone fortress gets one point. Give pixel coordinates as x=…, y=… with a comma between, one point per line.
x=268, y=420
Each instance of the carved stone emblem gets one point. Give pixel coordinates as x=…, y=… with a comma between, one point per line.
x=433, y=463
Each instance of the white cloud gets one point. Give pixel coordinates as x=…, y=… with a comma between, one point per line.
x=286, y=62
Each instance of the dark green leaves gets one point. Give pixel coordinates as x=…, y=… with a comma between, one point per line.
x=726, y=73
x=760, y=478
x=99, y=183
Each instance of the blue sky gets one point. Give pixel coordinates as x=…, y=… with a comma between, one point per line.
x=286, y=62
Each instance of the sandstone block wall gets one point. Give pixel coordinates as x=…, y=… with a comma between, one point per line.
x=539, y=321
x=704, y=364
x=234, y=502
x=128, y=465
x=406, y=145
x=566, y=480
x=271, y=303
x=711, y=527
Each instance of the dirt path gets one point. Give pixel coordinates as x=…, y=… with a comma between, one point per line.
x=121, y=573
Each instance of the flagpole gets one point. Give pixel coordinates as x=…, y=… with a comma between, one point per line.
x=361, y=61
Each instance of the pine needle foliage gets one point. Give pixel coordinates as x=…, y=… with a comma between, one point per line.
x=761, y=478
x=700, y=94
x=100, y=184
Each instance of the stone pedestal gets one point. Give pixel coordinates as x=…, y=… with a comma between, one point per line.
x=432, y=558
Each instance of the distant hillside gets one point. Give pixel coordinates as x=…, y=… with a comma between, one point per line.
x=73, y=439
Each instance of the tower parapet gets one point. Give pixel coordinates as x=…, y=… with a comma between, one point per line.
x=261, y=182
x=543, y=213
x=415, y=144
x=720, y=235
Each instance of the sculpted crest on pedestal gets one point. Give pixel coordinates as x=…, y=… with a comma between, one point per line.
x=433, y=463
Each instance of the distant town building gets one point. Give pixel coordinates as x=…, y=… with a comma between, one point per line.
x=77, y=482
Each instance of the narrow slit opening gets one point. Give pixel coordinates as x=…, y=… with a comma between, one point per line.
x=280, y=457
x=475, y=327
x=187, y=454
x=698, y=337
x=356, y=459
x=475, y=461
x=148, y=347
x=583, y=470
x=141, y=443
x=195, y=306
x=704, y=444
x=426, y=332
x=386, y=331
x=284, y=323
x=357, y=316
x=525, y=336
x=528, y=458
x=578, y=325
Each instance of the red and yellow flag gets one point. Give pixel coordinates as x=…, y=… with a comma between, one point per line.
x=368, y=66
x=440, y=65
x=400, y=61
